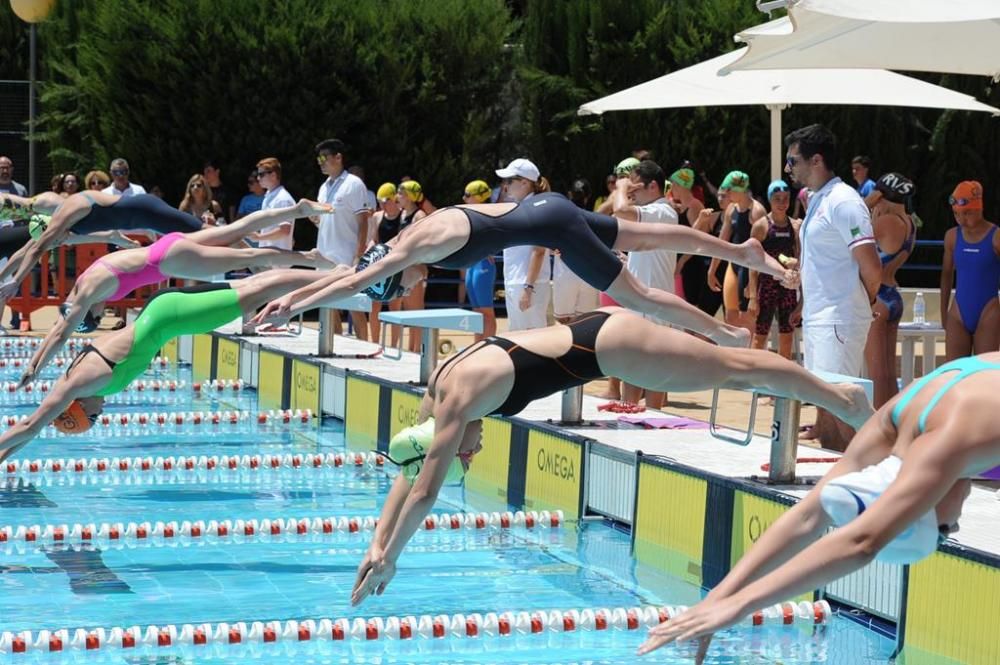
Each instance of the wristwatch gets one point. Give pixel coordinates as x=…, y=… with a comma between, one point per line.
x=530, y=287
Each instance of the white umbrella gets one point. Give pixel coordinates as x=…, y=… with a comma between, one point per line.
x=956, y=36
x=702, y=85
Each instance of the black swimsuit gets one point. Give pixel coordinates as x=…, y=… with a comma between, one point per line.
x=583, y=238
x=537, y=376
x=132, y=213
x=90, y=349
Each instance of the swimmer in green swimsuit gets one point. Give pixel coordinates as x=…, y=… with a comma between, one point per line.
x=895, y=494
x=117, y=358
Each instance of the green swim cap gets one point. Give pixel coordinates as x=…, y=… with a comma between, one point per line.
x=736, y=181
x=37, y=225
x=411, y=445
x=683, y=178
x=626, y=166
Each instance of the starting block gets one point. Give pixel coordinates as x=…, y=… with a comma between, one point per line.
x=430, y=321
x=359, y=302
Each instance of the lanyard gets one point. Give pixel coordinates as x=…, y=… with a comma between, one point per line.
x=331, y=193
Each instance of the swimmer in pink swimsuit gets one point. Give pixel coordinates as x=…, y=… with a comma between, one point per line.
x=200, y=255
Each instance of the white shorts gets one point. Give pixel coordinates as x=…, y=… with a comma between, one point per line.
x=570, y=294
x=838, y=348
x=536, y=315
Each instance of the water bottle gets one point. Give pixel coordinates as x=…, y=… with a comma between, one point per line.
x=919, y=309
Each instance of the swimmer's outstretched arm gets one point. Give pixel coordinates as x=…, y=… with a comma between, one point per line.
x=45, y=203
x=928, y=473
x=58, y=335
x=25, y=431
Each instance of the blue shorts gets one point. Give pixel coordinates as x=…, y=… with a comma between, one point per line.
x=479, y=281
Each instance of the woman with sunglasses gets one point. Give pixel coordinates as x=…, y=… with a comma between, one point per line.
x=896, y=494
x=200, y=255
x=503, y=374
x=459, y=236
x=115, y=359
x=972, y=253
x=198, y=201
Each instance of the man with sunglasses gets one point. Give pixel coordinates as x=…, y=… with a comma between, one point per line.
x=120, y=185
x=841, y=271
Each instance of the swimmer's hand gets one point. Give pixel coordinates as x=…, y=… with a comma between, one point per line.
x=374, y=575
x=26, y=378
x=8, y=290
x=123, y=241
x=307, y=208
x=277, y=312
x=700, y=623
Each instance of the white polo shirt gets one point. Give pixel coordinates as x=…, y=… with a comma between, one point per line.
x=278, y=198
x=516, y=261
x=132, y=190
x=837, y=221
x=655, y=268
x=337, y=239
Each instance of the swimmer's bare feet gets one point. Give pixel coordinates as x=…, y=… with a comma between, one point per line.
x=731, y=336
x=319, y=261
x=858, y=409
x=754, y=257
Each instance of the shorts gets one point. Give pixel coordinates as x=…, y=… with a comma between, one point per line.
x=570, y=294
x=773, y=298
x=480, y=279
x=838, y=348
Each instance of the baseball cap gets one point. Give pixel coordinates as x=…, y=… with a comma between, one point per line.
x=386, y=191
x=776, y=186
x=479, y=190
x=626, y=166
x=736, y=181
x=520, y=168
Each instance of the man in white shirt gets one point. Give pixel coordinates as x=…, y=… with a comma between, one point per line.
x=640, y=198
x=840, y=268
x=120, y=185
x=343, y=233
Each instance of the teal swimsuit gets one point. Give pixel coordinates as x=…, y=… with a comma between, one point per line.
x=965, y=367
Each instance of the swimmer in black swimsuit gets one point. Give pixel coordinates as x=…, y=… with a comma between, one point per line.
x=502, y=374
x=460, y=236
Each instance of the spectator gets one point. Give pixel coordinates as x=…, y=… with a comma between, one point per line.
x=277, y=235
x=840, y=268
x=699, y=293
x=97, y=181
x=571, y=296
x=120, y=185
x=480, y=279
x=343, y=233
x=7, y=183
x=383, y=227
x=690, y=271
x=895, y=237
x=55, y=183
x=252, y=201
x=410, y=197
x=156, y=191
x=971, y=251
x=623, y=169
x=526, y=273
x=213, y=178
x=802, y=202
x=69, y=184
x=609, y=184
x=371, y=201
x=861, y=166
x=779, y=235
x=640, y=198
x=199, y=203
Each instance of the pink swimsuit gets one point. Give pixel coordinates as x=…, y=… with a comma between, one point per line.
x=148, y=274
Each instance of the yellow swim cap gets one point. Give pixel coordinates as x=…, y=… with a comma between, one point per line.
x=409, y=448
x=479, y=191
x=413, y=190
x=386, y=191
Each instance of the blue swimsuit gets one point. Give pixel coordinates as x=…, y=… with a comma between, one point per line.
x=977, y=271
x=889, y=295
x=132, y=213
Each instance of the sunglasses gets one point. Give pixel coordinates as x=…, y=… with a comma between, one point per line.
x=262, y=173
x=961, y=202
x=95, y=183
x=119, y=172
x=197, y=185
x=791, y=161
x=322, y=157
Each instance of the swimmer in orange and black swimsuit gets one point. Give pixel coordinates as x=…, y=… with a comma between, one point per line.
x=503, y=374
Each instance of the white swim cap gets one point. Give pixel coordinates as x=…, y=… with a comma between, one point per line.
x=411, y=445
x=848, y=496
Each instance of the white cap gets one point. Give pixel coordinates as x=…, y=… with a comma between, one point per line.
x=521, y=168
x=844, y=498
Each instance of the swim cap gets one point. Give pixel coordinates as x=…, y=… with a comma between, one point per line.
x=626, y=166
x=74, y=420
x=776, y=186
x=846, y=497
x=37, y=225
x=387, y=288
x=683, y=177
x=90, y=322
x=895, y=187
x=478, y=190
x=409, y=448
x=968, y=195
x=386, y=191
x=736, y=181
x=413, y=190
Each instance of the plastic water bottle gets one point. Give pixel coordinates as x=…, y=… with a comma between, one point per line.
x=919, y=309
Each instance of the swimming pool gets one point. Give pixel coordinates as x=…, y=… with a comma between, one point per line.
x=125, y=534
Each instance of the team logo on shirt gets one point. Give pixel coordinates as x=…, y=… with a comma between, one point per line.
x=855, y=231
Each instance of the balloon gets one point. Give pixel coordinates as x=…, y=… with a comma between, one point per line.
x=32, y=11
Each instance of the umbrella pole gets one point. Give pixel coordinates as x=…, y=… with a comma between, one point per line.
x=776, y=159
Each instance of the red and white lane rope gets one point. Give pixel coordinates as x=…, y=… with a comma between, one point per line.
x=146, y=385
x=492, y=625
x=198, y=530
x=35, y=342
x=63, y=360
x=163, y=419
x=180, y=465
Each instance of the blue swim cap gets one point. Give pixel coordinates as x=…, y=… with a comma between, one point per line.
x=90, y=322
x=387, y=288
x=776, y=186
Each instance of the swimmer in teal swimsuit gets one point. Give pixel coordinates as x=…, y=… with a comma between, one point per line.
x=895, y=494
x=116, y=359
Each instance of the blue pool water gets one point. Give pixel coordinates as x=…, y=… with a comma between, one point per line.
x=104, y=584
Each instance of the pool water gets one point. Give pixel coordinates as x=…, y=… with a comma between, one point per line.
x=103, y=583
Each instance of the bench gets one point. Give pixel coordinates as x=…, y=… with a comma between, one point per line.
x=784, y=428
x=430, y=321
x=908, y=334
x=356, y=303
